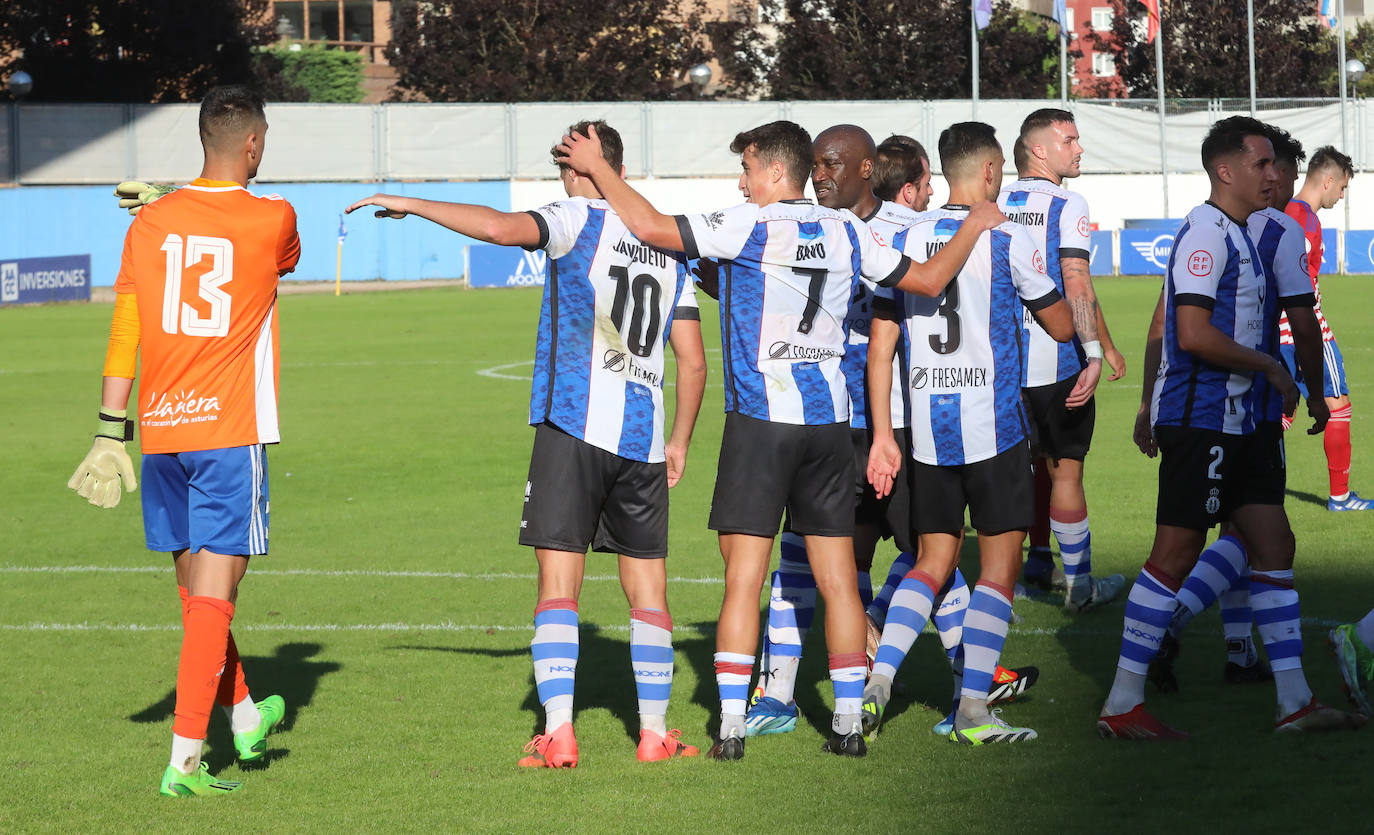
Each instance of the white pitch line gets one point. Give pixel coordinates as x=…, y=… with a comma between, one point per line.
x=320, y=572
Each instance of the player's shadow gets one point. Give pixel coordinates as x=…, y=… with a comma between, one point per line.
x=1309, y=498
x=288, y=673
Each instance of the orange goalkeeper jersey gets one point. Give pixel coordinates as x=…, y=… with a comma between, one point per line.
x=204, y=263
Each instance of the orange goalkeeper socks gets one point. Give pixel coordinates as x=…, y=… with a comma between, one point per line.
x=233, y=688
x=203, y=648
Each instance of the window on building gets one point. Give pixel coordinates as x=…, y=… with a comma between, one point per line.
x=1102, y=18
x=1104, y=64
x=324, y=20
x=1068, y=22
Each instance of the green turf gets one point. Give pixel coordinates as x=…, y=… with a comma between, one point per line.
x=409, y=697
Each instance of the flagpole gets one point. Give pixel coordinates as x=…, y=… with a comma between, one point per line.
x=973, y=29
x=1163, y=128
x=1340, y=74
x=1250, y=18
x=1063, y=66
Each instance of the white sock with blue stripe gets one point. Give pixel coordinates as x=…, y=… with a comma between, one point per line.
x=877, y=610
x=651, y=658
x=948, y=621
x=1149, y=607
x=791, y=610
x=906, y=617
x=1218, y=569
x=1070, y=529
x=732, y=682
x=554, y=649
x=985, y=633
x=1274, y=602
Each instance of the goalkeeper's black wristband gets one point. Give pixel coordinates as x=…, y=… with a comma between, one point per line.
x=115, y=426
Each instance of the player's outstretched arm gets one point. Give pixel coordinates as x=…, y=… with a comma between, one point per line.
x=1143, y=434
x=929, y=278
x=583, y=154
x=1199, y=337
x=885, y=457
x=685, y=339
x=481, y=222
x=1307, y=344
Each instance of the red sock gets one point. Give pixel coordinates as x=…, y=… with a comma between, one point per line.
x=1040, y=530
x=1336, y=440
x=202, y=661
x=232, y=688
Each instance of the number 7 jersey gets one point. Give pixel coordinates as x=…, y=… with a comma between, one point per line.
x=608, y=306
x=204, y=263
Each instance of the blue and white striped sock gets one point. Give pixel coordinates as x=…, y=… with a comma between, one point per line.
x=847, y=671
x=1149, y=608
x=732, y=680
x=1274, y=603
x=651, y=658
x=950, y=606
x=1237, y=621
x=985, y=632
x=906, y=617
x=1217, y=570
x=791, y=609
x=900, y=566
x=1070, y=530
x=554, y=649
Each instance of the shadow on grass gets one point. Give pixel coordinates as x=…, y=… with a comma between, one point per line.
x=1309, y=498
x=288, y=673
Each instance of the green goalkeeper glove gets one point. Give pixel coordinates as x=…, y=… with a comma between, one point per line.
x=134, y=195
x=97, y=478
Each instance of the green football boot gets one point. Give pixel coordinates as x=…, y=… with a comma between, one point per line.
x=198, y=783
x=252, y=745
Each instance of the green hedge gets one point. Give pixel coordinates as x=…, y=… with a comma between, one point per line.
x=316, y=73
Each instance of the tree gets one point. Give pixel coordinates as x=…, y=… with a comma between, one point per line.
x=313, y=73
x=546, y=50
x=881, y=49
x=132, y=50
x=1206, y=50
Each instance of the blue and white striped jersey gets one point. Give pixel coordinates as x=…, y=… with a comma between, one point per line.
x=1282, y=247
x=1058, y=221
x=889, y=219
x=609, y=303
x=964, y=348
x=1213, y=265
x=789, y=270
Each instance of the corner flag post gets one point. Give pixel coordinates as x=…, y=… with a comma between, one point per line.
x=338, y=258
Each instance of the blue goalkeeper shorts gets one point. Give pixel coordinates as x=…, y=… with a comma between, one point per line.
x=214, y=499
x=1333, y=364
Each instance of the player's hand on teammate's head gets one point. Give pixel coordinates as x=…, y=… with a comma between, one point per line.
x=1320, y=414
x=580, y=153
x=1143, y=434
x=985, y=215
x=707, y=274
x=389, y=206
x=134, y=195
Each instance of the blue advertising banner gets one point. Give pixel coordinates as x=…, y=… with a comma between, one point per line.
x=1100, y=259
x=1146, y=251
x=1359, y=251
x=1328, y=252
x=60, y=278
x=506, y=266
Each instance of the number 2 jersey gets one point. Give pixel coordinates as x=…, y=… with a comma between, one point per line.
x=608, y=305
x=964, y=348
x=788, y=272
x=204, y=262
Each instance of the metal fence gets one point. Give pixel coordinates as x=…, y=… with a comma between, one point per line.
x=55, y=144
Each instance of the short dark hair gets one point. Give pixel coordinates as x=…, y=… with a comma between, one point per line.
x=229, y=112
x=1228, y=137
x=1020, y=154
x=962, y=140
x=1043, y=118
x=1287, y=150
x=612, y=148
x=898, y=161
x=1328, y=157
x=781, y=141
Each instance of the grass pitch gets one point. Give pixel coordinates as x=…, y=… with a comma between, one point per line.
x=394, y=617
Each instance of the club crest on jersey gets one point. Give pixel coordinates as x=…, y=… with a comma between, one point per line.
x=1213, y=503
x=1156, y=251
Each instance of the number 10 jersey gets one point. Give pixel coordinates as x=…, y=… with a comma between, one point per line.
x=964, y=348
x=608, y=306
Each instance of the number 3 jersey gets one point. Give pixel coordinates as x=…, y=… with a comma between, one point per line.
x=608, y=305
x=964, y=348
x=789, y=271
x=204, y=262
